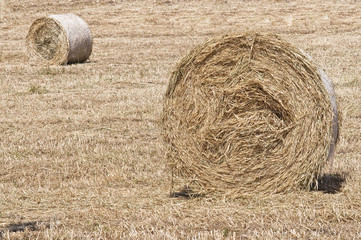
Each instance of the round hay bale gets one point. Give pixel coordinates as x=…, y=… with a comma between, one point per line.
x=248, y=114
x=59, y=39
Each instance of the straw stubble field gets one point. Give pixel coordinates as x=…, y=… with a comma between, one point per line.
x=81, y=150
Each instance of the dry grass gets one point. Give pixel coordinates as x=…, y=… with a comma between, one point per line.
x=80, y=147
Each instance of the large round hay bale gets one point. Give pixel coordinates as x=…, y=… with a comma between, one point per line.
x=248, y=114
x=59, y=39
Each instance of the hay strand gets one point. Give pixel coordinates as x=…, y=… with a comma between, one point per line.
x=59, y=39
x=247, y=114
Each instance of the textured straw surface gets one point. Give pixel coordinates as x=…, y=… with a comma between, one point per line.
x=247, y=113
x=59, y=39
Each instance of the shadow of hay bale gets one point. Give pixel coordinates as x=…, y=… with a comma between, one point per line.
x=186, y=192
x=330, y=183
x=24, y=226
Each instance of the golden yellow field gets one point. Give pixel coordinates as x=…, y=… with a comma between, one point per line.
x=81, y=153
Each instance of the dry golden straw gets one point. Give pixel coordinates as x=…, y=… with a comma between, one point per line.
x=59, y=39
x=248, y=114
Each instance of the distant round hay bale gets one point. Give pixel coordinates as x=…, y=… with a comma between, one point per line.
x=59, y=39
x=248, y=114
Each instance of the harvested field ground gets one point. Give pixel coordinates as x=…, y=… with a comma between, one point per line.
x=81, y=153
